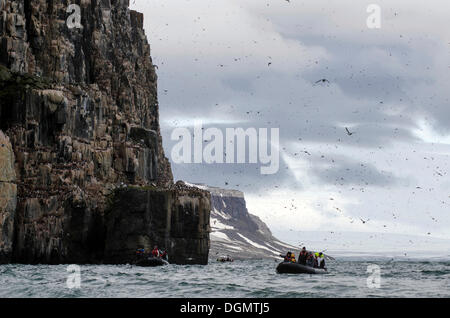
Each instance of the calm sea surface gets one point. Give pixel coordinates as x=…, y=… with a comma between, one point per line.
x=347, y=278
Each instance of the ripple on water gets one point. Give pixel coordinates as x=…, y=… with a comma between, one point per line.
x=239, y=279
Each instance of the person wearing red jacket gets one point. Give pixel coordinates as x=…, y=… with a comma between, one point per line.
x=303, y=256
x=155, y=252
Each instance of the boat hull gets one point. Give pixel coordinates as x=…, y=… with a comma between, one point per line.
x=295, y=268
x=151, y=262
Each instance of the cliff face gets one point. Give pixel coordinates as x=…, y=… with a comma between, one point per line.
x=236, y=232
x=80, y=108
x=176, y=219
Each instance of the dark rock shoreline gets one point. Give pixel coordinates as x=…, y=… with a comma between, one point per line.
x=177, y=220
x=86, y=180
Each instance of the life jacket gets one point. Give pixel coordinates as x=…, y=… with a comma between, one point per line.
x=303, y=255
x=288, y=257
x=155, y=252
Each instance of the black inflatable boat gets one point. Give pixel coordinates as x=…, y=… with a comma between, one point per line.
x=296, y=268
x=225, y=259
x=151, y=262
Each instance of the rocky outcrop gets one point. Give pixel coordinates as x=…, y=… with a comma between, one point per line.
x=8, y=198
x=176, y=220
x=80, y=108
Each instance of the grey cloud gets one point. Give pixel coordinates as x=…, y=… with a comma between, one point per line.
x=245, y=177
x=348, y=172
x=381, y=84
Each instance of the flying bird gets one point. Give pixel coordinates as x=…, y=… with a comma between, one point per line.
x=323, y=80
x=364, y=222
x=348, y=132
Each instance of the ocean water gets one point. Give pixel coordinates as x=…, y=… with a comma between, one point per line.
x=256, y=278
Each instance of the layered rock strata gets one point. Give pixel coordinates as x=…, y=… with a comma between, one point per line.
x=79, y=109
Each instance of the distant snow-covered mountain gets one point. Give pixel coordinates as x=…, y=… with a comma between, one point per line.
x=237, y=233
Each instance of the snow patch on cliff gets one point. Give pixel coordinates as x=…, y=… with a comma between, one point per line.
x=220, y=236
x=217, y=225
x=256, y=244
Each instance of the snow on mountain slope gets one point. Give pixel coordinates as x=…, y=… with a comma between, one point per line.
x=236, y=232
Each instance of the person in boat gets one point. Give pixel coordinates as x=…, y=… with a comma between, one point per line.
x=316, y=261
x=225, y=259
x=321, y=260
x=140, y=253
x=302, y=256
x=310, y=260
x=293, y=258
x=163, y=254
x=288, y=257
x=155, y=252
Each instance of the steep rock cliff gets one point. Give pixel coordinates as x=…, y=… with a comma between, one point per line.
x=80, y=108
x=175, y=219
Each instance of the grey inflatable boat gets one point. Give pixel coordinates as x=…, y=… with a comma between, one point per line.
x=151, y=262
x=296, y=268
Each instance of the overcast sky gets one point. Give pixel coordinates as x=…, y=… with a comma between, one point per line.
x=254, y=63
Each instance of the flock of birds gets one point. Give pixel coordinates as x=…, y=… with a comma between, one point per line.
x=349, y=132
